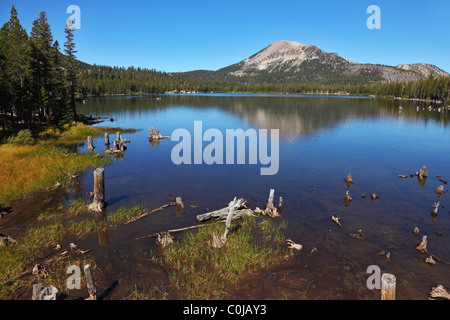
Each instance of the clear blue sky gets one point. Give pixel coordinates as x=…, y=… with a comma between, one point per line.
x=173, y=35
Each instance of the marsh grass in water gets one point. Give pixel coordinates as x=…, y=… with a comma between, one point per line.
x=200, y=271
x=31, y=168
x=32, y=161
x=38, y=242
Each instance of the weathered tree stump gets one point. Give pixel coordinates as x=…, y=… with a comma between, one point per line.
x=107, y=143
x=280, y=204
x=336, y=220
x=422, y=247
x=270, y=208
x=90, y=283
x=388, y=283
x=164, y=239
x=44, y=293
x=439, y=292
x=440, y=191
x=155, y=135
x=423, y=171
x=90, y=144
x=99, y=191
x=434, y=213
x=359, y=235
x=349, y=179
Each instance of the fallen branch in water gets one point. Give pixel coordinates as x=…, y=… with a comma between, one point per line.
x=170, y=204
x=440, y=260
x=154, y=235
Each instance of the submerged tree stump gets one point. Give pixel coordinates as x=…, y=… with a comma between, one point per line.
x=154, y=135
x=90, y=144
x=44, y=293
x=270, y=208
x=99, y=191
x=422, y=247
x=90, y=283
x=107, y=143
x=388, y=283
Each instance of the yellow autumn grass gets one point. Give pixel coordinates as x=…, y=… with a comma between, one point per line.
x=25, y=169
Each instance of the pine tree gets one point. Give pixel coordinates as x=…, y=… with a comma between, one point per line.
x=42, y=65
x=59, y=101
x=71, y=68
x=15, y=48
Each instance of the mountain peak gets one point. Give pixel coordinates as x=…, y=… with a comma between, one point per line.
x=293, y=62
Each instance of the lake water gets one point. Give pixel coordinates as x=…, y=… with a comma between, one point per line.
x=322, y=139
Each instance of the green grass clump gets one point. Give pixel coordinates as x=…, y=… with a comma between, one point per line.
x=22, y=138
x=200, y=271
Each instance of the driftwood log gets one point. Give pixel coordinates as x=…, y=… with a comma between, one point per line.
x=237, y=204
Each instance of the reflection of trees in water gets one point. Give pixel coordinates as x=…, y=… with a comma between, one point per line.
x=294, y=116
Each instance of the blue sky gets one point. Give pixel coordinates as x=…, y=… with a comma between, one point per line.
x=190, y=35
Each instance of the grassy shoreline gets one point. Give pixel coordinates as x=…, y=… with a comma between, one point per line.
x=36, y=161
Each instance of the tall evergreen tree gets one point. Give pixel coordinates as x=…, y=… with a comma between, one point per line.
x=71, y=67
x=15, y=48
x=42, y=65
x=59, y=101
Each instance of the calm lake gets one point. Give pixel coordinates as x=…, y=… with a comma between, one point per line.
x=322, y=139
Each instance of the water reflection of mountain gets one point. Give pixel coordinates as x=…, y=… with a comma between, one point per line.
x=292, y=115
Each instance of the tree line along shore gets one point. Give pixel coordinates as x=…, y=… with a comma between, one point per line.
x=41, y=84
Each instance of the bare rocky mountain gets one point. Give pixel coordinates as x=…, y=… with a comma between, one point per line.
x=288, y=61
